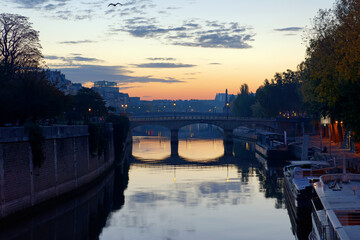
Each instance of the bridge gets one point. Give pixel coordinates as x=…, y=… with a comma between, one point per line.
x=227, y=124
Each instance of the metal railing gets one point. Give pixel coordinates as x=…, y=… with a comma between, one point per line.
x=137, y=118
x=321, y=226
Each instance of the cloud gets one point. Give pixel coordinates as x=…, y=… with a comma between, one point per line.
x=68, y=61
x=38, y=4
x=194, y=73
x=51, y=57
x=125, y=88
x=30, y=3
x=195, y=33
x=290, y=34
x=90, y=73
x=172, y=8
x=289, y=29
x=77, y=42
x=161, y=59
x=69, y=15
x=52, y=6
x=84, y=59
x=164, y=65
x=214, y=63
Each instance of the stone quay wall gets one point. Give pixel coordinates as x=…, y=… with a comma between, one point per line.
x=68, y=165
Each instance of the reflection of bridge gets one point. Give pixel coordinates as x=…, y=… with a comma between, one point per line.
x=227, y=124
x=177, y=160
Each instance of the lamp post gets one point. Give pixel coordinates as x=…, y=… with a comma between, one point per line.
x=124, y=106
x=88, y=115
x=174, y=108
x=227, y=110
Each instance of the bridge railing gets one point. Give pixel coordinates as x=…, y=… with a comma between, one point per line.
x=164, y=118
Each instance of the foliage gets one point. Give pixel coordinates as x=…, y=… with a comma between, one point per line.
x=28, y=96
x=257, y=110
x=331, y=70
x=241, y=106
x=281, y=95
x=37, y=140
x=25, y=93
x=86, y=104
x=97, y=139
x=19, y=45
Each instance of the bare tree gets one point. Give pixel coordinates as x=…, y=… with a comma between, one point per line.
x=19, y=44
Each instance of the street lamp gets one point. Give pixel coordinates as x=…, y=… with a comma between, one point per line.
x=174, y=108
x=124, y=106
x=227, y=110
x=87, y=116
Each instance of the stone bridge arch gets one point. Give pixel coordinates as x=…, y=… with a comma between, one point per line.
x=226, y=124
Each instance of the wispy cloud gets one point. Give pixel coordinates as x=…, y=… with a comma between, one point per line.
x=47, y=5
x=78, y=42
x=52, y=6
x=68, y=61
x=78, y=68
x=289, y=29
x=194, y=73
x=73, y=15
x=161, y=59
x=164, y=65
x=30, y=3
x=195, y=33
x=86, y=73
x=214, y=63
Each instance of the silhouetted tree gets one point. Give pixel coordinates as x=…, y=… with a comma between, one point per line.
x=87, y=103
x=241, y=106
x=281, y=95
x=30, y=97
x=25, y=92
x=19, y=45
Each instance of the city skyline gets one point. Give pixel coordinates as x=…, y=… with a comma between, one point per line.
x=154, y=49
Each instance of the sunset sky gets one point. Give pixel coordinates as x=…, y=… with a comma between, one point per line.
x=171, y=49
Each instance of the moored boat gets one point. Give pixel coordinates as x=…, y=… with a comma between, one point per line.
x=336, y=209
x=271, y=147
x=298, y=177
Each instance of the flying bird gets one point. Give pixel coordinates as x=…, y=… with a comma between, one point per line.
x=115, y=4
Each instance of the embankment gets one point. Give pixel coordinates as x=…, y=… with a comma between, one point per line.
x=68, y=165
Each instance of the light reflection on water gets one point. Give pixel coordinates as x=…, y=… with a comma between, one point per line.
x=225, y=198
x=151, y=148
x=201, y=150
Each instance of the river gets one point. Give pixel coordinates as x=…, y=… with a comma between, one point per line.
x=198, y=194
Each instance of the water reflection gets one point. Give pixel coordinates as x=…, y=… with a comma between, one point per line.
x=81, y=217
x=158, y=148
x=151, y=148
x=172, y=197
x=201, y=150
x=152, y=143
x=224, y=198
